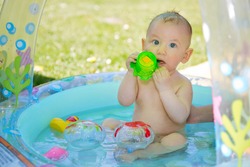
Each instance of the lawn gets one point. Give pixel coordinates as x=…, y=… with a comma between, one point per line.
x=92, y=36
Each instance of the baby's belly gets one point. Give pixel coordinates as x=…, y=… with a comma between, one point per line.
x=149, y=109
x=158, y=120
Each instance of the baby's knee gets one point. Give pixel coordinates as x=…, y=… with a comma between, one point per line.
x=110, y=123
x=174, y=140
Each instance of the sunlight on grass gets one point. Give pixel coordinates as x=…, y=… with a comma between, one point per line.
x=90, y=36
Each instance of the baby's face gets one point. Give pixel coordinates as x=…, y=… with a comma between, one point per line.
x=169, y=42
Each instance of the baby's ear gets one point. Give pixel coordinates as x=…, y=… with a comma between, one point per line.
x=187, y=56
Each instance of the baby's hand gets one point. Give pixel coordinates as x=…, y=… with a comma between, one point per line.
x=131, y=58
x=161, y=78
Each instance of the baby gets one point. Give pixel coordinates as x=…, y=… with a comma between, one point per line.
x=165, y=100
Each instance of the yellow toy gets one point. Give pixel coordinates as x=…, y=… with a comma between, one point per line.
x=59, y=124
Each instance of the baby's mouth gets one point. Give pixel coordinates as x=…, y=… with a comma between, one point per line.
x=160, y=62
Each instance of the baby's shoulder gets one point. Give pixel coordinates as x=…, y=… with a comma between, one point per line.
x=181, y=78
x=182, y=82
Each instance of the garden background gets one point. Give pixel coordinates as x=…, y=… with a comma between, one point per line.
x=92, y=36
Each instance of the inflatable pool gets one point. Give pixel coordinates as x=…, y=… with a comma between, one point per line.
x=93, y=97
x=29, y=117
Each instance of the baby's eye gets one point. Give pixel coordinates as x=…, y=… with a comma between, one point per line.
x=172, y=45
x=156, y=42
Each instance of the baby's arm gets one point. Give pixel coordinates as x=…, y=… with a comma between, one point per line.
x=177, y=104
x=128, y=89
x=201, y=114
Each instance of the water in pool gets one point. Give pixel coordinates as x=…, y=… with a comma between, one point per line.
x=95, y=102
x=199, y=152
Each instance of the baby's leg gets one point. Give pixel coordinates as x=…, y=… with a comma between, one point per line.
x=173, y=142
x=111, y=123
x=167, y=144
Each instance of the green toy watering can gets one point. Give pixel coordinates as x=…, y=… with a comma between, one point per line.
x=145, y=65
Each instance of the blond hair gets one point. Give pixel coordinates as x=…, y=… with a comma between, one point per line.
x=173, y=17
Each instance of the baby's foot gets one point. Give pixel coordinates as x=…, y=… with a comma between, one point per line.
x=122, y=154
x=127, y=157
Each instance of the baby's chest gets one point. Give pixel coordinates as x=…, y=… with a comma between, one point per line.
x=149, y=90
x=148, y=93
x=149, y=99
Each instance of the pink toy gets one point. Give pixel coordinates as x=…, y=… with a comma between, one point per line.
x=56, y=153
x=72, y=119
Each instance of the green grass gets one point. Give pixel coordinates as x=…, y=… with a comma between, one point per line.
x=90, y=36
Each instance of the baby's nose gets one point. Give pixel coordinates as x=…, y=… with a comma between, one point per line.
x=161, y=49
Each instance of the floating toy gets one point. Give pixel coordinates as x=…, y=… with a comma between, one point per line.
x=83, y=135
x=72, y=119
x=145, y=65
x=59, y=124
x=134, y=135
x=56, y=154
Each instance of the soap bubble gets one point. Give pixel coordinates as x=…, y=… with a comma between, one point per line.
x=20, y=44
x=240, y=84
x=226, y=68
x=3, y=40
x=30, y=28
